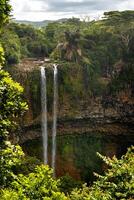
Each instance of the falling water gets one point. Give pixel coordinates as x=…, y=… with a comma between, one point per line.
x=54, y=118
x=44, y=114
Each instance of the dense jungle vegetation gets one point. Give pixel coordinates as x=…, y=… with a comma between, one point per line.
x=104, y=47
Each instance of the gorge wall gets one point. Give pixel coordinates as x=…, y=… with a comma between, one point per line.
x=81, y=105
x=86, y=108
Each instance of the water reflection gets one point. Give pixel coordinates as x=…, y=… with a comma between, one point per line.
x=76, y=154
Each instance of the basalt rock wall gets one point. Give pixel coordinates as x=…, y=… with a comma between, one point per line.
x=85, y=105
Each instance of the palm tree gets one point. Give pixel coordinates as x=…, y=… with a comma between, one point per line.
x=70, y=49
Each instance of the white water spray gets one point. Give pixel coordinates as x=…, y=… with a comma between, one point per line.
x=54, y=118
x=44, y=115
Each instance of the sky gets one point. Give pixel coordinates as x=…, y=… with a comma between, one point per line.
x=39, y=10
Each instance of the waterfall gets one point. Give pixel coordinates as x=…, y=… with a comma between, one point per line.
x=44, y=114
x=54, y=118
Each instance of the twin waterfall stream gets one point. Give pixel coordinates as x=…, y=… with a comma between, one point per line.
x=44, y=116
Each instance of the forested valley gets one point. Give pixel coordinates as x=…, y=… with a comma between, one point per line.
x=103, y=52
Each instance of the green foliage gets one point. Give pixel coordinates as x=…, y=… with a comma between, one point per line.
x=5, y=10
x=70, y=49
x=50, y=30
x=116, y=17
x=28, y=165
x=116, y=183
x=11, y=107
x=86, y=193
x=71, y=84
x=32, y=42
x=11, y=45
x=37, y=185
x=11, y=194
x=123, y=79
x=10, y=157
x=11, y=102
x=97, y=46
x=2, y=59
x=67, y=184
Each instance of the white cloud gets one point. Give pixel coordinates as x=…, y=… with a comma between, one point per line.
x=37, y=10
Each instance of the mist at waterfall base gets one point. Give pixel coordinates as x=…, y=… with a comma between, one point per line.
x=44, y=116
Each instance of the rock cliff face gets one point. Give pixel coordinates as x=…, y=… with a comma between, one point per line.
x=81, y=106
x=85, y=106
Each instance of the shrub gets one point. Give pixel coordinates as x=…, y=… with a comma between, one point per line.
x=117, y=182
x=38, y=185
x=67, y=184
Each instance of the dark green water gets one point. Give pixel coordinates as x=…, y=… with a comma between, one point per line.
x=76, y=154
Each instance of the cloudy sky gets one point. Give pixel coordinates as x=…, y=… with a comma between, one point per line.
x=38, y=10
